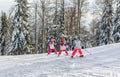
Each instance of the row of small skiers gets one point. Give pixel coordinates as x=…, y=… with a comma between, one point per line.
x=63, y=44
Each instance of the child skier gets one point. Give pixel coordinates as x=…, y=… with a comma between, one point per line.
x=62, y=47
x=77, y=47
x=51, y=44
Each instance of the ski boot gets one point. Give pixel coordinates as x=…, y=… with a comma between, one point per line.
x=81, y=56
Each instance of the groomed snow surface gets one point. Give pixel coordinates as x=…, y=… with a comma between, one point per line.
x=103, y=61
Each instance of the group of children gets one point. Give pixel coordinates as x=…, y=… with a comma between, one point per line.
x=63, y=44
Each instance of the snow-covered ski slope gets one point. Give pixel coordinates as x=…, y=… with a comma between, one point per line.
x=104, y=61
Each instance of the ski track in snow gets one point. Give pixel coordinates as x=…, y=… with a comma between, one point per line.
x=104, y=61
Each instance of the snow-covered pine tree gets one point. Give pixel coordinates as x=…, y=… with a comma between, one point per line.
x=20, y=35
x=116, y=27
x=58, y=27
x=97, y=34
x=3, y=33
x=106, y=23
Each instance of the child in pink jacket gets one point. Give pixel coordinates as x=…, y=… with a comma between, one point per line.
x=51, y=44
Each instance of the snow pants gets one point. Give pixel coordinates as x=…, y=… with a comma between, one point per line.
x=60, y=51
x=52, y=49
x=75, y=51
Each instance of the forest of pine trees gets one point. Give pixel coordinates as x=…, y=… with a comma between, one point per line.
x=28, y=27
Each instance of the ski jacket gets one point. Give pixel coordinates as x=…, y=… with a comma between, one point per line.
x=62, y=46
x=51, y=45
x=77, y=43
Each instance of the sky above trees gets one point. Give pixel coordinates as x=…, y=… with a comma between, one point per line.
x=5, y=5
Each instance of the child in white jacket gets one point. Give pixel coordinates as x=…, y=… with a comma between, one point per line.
x=62, y=45
x=77, y=47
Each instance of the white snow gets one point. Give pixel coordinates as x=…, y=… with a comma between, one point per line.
x=103, y=61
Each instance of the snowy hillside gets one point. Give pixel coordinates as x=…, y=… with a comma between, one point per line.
x=103, y=61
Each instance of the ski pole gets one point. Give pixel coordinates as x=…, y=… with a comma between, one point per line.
x=87, y=51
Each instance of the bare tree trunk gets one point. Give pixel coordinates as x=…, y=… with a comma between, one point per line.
x=78, y=19
x=74, y=22
x=36, y=29
x=43, y=24
x=63, y=11
x=71, y=21
x=56, y=12
x=80, y=5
